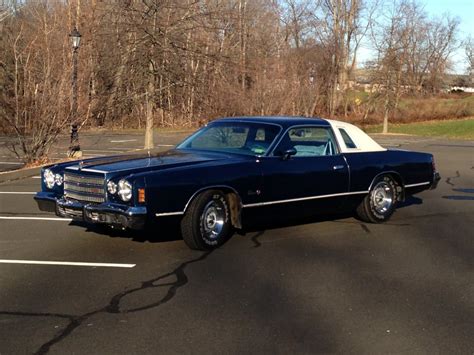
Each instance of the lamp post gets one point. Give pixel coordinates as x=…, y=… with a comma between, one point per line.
x=74, y=147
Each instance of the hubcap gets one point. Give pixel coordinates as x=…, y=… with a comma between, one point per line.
x=213, y=220
x=382, y=197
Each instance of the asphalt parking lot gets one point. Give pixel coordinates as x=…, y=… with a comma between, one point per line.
x=322, y=286
x=93, y=144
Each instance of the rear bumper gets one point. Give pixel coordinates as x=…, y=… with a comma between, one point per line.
x=106, y=213
x=436, y=179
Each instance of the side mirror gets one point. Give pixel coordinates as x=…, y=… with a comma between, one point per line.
x=288, y=153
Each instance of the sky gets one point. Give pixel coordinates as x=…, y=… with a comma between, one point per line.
x=463, y=9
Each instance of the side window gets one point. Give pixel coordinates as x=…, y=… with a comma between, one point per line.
x=308, y=142
x=347, y=139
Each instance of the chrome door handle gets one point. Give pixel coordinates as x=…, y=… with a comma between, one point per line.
x=338, y=167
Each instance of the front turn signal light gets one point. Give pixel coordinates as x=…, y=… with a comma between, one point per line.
x=141, y=195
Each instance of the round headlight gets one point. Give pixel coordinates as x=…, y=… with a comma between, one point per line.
x=125, y=190
x=58, y=179
x=48, y=178
x=112, y=187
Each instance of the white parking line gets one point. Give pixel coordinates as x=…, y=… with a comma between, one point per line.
x=123, y=141
x=104, y=151
x=128, y=149
x=65, y=263
x=10, y=163
x=17, y=193
x=36, y=218
x=36, y=177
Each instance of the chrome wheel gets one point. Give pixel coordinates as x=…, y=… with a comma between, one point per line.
x=379, y=205
x=206, y=224
x=382, y=197
x=213, y=219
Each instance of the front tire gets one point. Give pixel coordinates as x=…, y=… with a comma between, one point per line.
x=379, y=205
x=206, y=224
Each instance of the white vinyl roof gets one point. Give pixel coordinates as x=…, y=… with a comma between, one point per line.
x=361, y=140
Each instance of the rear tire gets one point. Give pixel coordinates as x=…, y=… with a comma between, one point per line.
x=206, y=223
x=379, y=205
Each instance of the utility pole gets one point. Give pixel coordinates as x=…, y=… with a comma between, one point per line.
x=74, y=147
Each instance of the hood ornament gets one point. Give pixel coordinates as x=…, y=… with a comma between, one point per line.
x=81, y=164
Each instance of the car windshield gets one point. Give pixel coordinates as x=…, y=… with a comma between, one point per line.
x=248, y=138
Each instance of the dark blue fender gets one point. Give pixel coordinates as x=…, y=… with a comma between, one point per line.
x=170, y=190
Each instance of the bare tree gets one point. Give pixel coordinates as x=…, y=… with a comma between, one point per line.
x=342, y=20
x=388, y=39
x=183, y=62
x=413, y=52
x=469, y=52
x=35, y=106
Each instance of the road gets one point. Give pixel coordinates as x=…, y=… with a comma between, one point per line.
x=330, y=286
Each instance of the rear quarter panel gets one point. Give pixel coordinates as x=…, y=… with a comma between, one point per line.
x=413, y=167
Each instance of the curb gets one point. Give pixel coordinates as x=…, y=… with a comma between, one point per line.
x=19, y=174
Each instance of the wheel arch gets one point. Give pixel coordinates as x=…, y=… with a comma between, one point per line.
x=233, y=198
x=398, y=180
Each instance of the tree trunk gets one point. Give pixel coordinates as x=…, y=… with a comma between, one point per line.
x=243, y=43
x=385, y=116
x=149, y=109
x=386, y=106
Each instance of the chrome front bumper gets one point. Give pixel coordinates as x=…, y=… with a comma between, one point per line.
x=105, y=213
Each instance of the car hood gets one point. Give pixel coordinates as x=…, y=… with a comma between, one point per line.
x=135, y=163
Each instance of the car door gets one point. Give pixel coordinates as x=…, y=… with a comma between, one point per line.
x=305, y=166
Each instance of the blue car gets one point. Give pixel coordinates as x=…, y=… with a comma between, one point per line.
x=234, y=167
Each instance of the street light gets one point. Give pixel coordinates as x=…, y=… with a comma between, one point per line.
x=74, y=147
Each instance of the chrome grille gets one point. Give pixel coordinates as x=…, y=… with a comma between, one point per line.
x=85, y=188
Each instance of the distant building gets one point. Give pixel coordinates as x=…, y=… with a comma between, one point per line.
x=468, y=89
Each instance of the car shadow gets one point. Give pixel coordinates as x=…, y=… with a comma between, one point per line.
x=263, y=221
x=266, y=221
x=410, y=201
x=168, y=229
x=164, y=230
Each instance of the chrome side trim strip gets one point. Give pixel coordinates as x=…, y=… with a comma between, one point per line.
x=260, y=204
x=419, y=184
x=169, y=214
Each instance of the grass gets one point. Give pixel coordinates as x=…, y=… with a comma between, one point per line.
x=458, y=129
x=448, y=100
x=441, y=107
